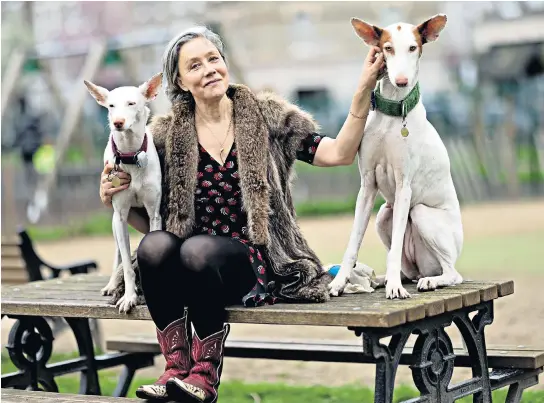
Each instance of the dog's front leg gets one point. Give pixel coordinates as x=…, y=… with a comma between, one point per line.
x=401, y=208
x=117, y=270
x=127, y=301
x=363, y=210
x=155, y=220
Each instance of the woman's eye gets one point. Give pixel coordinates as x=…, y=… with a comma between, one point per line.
x=194, y=66
x=131, y=103
x=214, y=58
x=413, y=48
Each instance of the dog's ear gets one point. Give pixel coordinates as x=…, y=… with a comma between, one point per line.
x=150, y=88
x=430, y=29
x=99, y=93
x=369, y=33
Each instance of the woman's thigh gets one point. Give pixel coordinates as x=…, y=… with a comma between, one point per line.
x=218, y=264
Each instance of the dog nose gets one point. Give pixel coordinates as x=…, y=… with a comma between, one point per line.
x=118, y=123
x=401, y=81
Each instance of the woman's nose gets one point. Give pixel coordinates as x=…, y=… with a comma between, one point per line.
x=209, y=69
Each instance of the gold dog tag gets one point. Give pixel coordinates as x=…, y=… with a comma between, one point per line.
x=115, y=181
x=404, y=132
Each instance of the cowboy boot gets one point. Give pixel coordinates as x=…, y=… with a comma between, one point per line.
x=202, y=384
x=175, y=347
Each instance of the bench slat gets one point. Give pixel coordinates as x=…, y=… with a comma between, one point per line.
x=79, y=296
x=325, y=350
x=19, y=396
x=10, y=251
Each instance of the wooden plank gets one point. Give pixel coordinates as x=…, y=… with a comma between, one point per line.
x=11, y=251
x=12, y=261
x=468, y=297
x=488, y=291
x=19, y=396
x=503, y=357
x=504, y=288
x=12, y=240
x=79, y=296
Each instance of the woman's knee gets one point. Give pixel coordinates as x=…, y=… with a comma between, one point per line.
x=197, y=253
x=156, y=249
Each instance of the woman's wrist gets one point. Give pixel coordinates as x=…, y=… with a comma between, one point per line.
x=360, y=105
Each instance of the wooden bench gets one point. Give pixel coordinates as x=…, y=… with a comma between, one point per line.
x=13, y=266
x=21, y=264
x=21, y=396
x=371, y=317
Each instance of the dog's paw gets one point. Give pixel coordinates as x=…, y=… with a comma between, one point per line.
x=127, y=302
x=336, y=286
x=108, y=289
x=394, y=289
x=427, y=284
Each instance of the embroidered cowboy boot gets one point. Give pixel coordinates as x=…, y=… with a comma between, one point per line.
x=202, y=384
x=175, y=347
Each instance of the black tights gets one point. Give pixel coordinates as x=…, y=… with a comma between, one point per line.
x=205, y=273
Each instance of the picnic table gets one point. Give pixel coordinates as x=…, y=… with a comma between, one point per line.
x=371, y=317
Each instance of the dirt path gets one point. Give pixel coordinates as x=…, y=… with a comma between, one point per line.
x=519, y=319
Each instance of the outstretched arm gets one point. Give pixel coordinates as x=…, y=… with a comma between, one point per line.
x=343, y=149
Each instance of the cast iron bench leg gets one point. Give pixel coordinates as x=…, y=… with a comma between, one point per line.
x=89, y=384
x=433, y=356
x=30, y=345
x=125, y=379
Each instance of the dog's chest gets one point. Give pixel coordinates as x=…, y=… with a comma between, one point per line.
x=140, y=185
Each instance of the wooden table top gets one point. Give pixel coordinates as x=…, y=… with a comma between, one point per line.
x=79, y=296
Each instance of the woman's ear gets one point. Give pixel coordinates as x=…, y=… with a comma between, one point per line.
x=183, y=87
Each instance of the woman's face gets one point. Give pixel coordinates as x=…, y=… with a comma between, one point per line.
x=202, y=70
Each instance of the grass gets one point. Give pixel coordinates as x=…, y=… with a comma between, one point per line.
x=482, y=256
x=240, y=392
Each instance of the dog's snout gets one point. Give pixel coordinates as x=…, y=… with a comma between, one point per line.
x=401, y=81
x=119, y=123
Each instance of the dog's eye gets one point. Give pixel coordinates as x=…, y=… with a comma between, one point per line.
x=131, y=103
x=413, y=48
x=388, y=48
x=111, y=105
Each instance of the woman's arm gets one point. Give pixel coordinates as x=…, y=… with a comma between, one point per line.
x=343, y=149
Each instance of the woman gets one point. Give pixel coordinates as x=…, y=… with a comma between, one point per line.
x=230, y=232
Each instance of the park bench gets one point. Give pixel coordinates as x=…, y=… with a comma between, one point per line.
x=24, y=396
x=371, y=317
x=21, y=264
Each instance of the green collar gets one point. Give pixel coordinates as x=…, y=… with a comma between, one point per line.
x=395, y=108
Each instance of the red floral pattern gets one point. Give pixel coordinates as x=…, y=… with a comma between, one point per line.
x=218, y=209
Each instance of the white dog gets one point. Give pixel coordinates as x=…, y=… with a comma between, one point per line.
x=131, y=148
x=402, y=156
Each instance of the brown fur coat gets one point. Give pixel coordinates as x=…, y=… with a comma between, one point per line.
x=268, y=130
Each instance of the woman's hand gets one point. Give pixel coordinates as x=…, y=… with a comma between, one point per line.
x=106, y=188
x=372, y=66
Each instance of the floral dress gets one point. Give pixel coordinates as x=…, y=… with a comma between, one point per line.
x=218, y=209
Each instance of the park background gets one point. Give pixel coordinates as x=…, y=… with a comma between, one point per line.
x=483, y=88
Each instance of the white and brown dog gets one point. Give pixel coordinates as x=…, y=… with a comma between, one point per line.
x=131, y=148
x=402, y=156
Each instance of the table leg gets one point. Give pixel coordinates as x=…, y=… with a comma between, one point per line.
x=433, y=358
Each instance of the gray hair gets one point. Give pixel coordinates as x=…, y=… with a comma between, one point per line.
x=170, y=60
